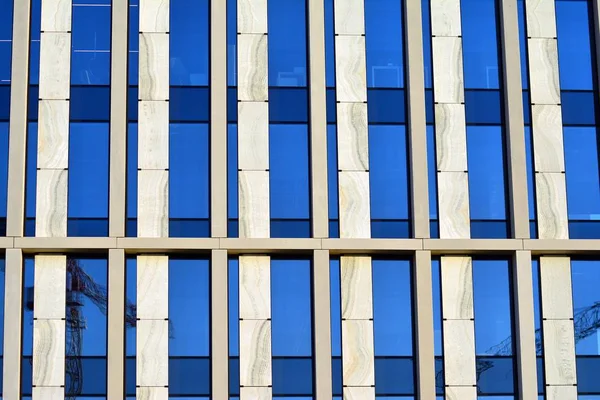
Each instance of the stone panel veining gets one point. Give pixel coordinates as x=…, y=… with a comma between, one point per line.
x=561, y=393
x=543, y=71
x=253, y=83
x=153, y=66
x=445, y=18
x=152, y=360
x=153, y=135
x=541, y=18
x=255, y=352
x=451, y=137
x=352, y=137
x=53, y=134
x=51, y=203
x=153, y=203
x=551, y=199
x=152, y=287
x=459, y=352
x=55, y=61
x=154, y=16
x=50, y=280
x=255, y=287
x=56, y=15
x=453, y=200
x=252, y=16
x=350, y=69
x=358, y=353
x=349, y=17
x=448, y=70
x=548, y=138
x=254, y=220
x=355, y=209
x=559, y=352
x=356, y=275
x=48, y=352
x=253, y=135
x=555, y=287
x=457, y=287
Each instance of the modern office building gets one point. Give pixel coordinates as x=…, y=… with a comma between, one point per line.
x=300, y=199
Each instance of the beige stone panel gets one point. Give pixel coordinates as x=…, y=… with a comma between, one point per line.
x=559, y=352
x=153, y=135
x=252, y=16
x=55, y=66
x=154, y=66
x=445, y=18
x=50, y=283
x=355, y=209
x=451, y=137
x=48, y=352
x=548, y=148
x=253, y=135
x=459, y=352
x=255, y=353
x=349, y=17
x=356, y=274
x=152, y=287
x=255, y=287
x=555, y=282
x=51, y=203
x=541, y=18
x=53, y=134
x=253, y=79
x=153, y=203
x=350, y=69
x=543, y=71
x=358, y=354
x=453, y=203
x=457, y=287
x=551, y=199
x=448, y=70
x=352, y=137
x=154, y=16
x=152, y=361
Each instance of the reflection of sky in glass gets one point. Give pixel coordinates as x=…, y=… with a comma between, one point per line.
x=131, y=296
x=3, y=166
x=585, y=275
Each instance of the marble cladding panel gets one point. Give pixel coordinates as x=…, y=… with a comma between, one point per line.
x=453, y=200
x=152, y=393
x=461, y=392
x=51, y=203
x=459, y=352
x=561, y=393
x=349, y=17
x=48, y=393
x=559, y=352
x=253, y=78
x=255, y=287
x=457, y=287
x=352, y=137
x=154, y=16
x=555, y=283
x=254, y=214
x=152, y=361
x=355, y=209
x=448, y=70
x=56, y=15
x=152, y=287
x=548, y=138
x=49, y=352
x=451, y=137
x=154, y=66
x=359, y=393
x=255, y=353
x=541, y=18
x=357, y=287
x=253, y=135
x=50, y=281
x=252, y=16
x=551, y=201
x=350, y=69
x=53, y=134
x=358, y=356
x=153, y=135
x=256, y=393
x=55, y=66
x=445, y=18
x=543, y=71
x=153, y=203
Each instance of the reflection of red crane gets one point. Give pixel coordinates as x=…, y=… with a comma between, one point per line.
x=79, y=286
x=586, y=321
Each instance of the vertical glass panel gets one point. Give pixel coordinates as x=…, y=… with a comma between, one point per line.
x=437, y=325
x=6, y=28
x=384, y=43
x=388, y=164
x=27, y=350
x=535, y=274
x=432, y=182
x=130, y=331
x=574, y=47
x=583, y=182
x=289, y=181
x=530, y=181
x=34, y=47
x=287, y=42
x=336, y=325
x=132, y=163
x=88, y=179
x=523, y=44
x=586, y=300
x=232, y=180
x=231, y=42
x=428, y=69
x=134, y=27
x=189, y=189
x=90, y=38
x=3, y=175
x=480, y=44
x=189, y=42
x=31, y=179
x=329, y=44
x=332, y=181
x=487, y=190
x=189, y=322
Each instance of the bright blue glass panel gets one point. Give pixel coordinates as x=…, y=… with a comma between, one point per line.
x=232, y=175
x=231, y=42
x=234, y=314
x=189, y=376
x=574, y=48
x=288, y=105
x=587, y=377
x=427, y=63
x=88, y=103
x=187, y=104
x=487, y=197
x=389, y=174
x=437, y=306
x=134, y=26
x=578, y=108
x=336, y=370
x=5, y=61
x=439, y=377
x=31, y=179
x=287, y=42
x=6, y=19
x=392, y=308
x=289, y=174
x=496, y=377
x=291, y=307
x=336, y=308
x=189, y=180
x=483, y=106
x=332, y=174
x=329, y=44
x=432, y=175
x=4, y=102
x=132, y=163
x=536, y=303
x=189, y=310
x=384, y=43
x=581, y=166
x=189, y=42
x=90, y=63
x=530, y=174
x=36, y=19
x=523, y=45
x=292, y=377
x=585, y=276
x=492, y=306
x=87, y=205
x=386, y=106
x=3, y=174
x=480, y=44
x=131, y=296
x=394, y=376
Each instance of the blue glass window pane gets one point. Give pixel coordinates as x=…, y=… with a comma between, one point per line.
x=329, y=44
x=581, y=166
x=291, y=308
x=289, y=172
x=331, y=106
x=394, y=376
x=526, y=108
x=34, y=62
x=189, y=180
x=134, y=27
x=585, y=277
x=386, y=106
x=486, y=173
x=234, y=375
x=90, y=63
x=232, y=104
x=36, y=19
x=530, y=173
x=89, y=103
x=5, y=62
x=287, y=42
x=88, y=179
x=231, y=42
x=188, y=104
x=336, y=370
x=536, y=301
x=584, y=229
x=31, y=179
x=429, y=108
x=232, y=174
x=384, y=43
x=483, y=106
x=189, y=376
x=587, y=376
x=336, y=308
x=492, y=306
x=392, y=308
x=287, y=105
x=480, y=44
x=578, y=108
x=131, y=295
x=523, y=44
x=332, y=173
x=2, y=282
x=432, y=173
x=3, y=174
x=495, y=376
x=189, y=29
x=91, y=377
x=132, y=163
x=437, y=306
x=292, y=376
x=6, y=19
x=4, y=102
x=427, y=64
x=233, y=297
x=574, y=48
x=439, y=376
